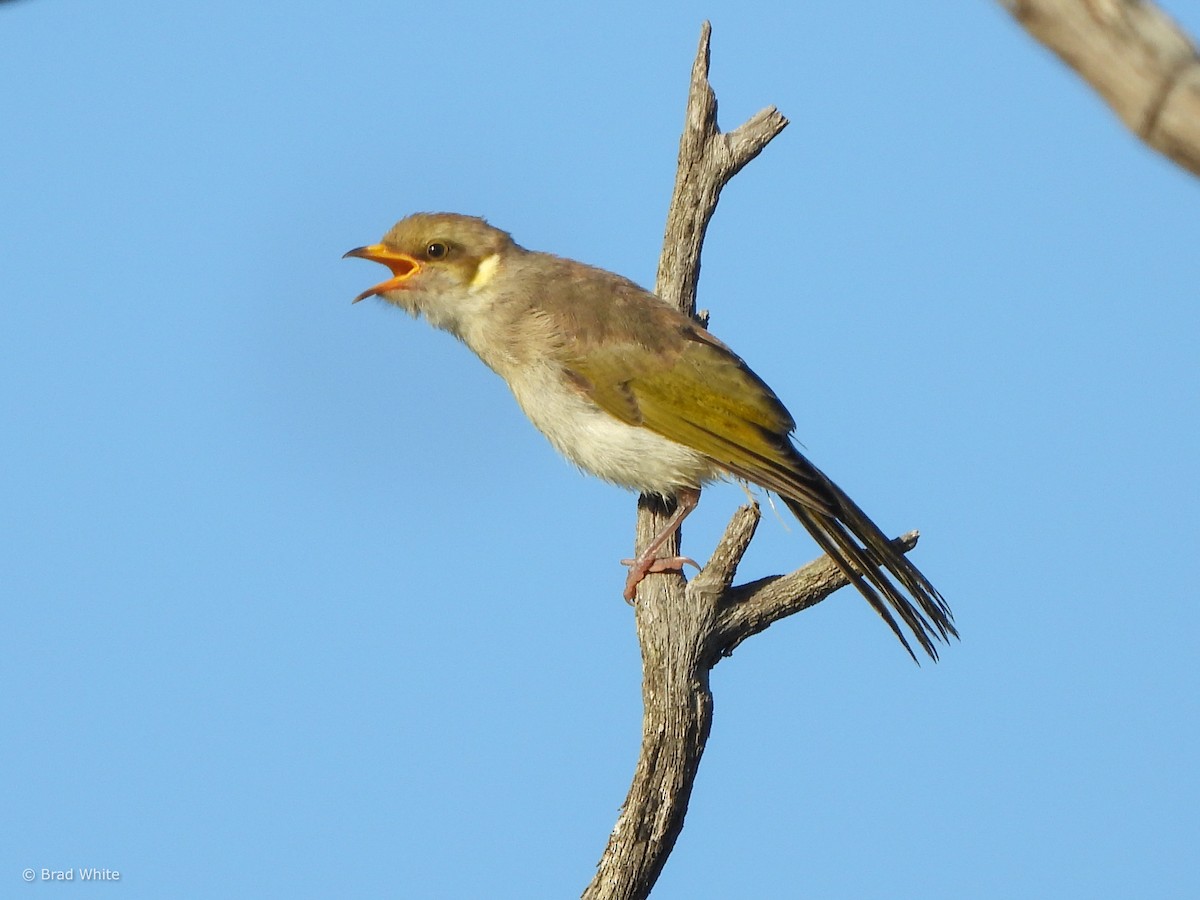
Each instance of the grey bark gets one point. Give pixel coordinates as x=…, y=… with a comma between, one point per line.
x=686, y=628
x=1138, y=60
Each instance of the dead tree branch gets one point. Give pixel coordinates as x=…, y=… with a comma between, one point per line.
x=686, y=629
x=1142, y=64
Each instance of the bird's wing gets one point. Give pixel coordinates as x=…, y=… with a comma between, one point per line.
x=699, y=393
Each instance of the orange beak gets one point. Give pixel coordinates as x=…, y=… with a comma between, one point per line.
x=402, y=265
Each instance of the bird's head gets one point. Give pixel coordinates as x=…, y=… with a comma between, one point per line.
x=435, y=258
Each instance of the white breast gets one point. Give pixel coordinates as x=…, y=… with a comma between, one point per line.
x=598, y=443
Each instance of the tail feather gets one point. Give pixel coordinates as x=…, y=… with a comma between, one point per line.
x=865, y=566
x=857, y=545
x=842, y=530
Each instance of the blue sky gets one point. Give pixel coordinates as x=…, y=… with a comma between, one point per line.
x=297, y=604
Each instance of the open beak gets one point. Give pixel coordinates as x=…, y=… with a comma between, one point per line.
x=402, y=265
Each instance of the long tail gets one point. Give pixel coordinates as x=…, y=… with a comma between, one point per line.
x=864, y=553
x=754, y=445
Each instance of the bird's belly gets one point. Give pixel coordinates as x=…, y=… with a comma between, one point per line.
x=603, y=445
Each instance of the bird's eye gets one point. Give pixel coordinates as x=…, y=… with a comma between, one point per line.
x=437, y=250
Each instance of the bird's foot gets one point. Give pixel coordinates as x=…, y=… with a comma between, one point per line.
x=642, y=566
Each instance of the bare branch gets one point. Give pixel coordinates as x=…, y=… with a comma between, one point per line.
x=684, y=630
x=674, y=628
x=717, y=575
x=751, y=608
x=1142, y=64
x=708, y=159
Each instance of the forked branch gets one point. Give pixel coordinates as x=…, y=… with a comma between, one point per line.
x=686, y=629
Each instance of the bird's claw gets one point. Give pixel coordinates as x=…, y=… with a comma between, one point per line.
x=639, y=568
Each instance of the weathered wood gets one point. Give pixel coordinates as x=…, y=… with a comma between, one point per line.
x=1138, y=60
x=686, y=629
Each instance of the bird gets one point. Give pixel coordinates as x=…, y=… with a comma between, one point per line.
x=632, y=390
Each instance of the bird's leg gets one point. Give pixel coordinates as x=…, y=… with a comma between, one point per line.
x=647, y=561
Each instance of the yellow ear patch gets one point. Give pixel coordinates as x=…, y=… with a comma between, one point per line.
x=487, y=269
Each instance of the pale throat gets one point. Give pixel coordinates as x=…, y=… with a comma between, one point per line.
x=475, y=313
x=463, y=313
